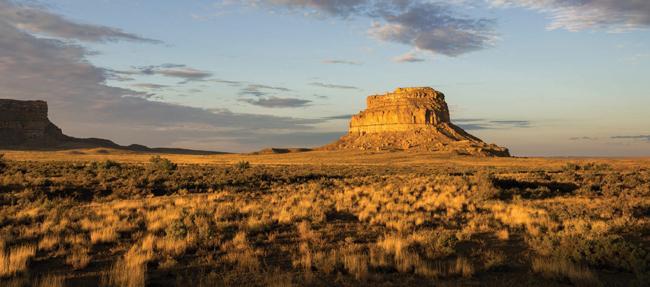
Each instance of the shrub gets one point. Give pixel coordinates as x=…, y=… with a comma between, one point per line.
x=108, y=164
x=242, y=165
x=162, y=164
x=3, y=163
x=560, y=269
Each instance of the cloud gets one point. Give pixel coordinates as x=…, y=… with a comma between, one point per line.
x=342, y=62
x=259, y=90
x=81, y=102
x=168, y=70
x=426, y=25
x=636, y=137
x=228, y=82
x=341, y=8
x=484, y=124
x=434, y=27
x=149, y=86
x=35, y=19
x=577, y=15
x=333, y=86
x=583, y=138
x=275, y=102
x=339, y=117
x=410, y=57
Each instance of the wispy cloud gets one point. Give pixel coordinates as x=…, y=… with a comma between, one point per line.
x=169, y=70
x=333, y=86
x=484, y=124
x=342, y=62
x=36, y=19
x=149, y=86
x=573, y=15
x=410, y=57
x=259, y=90
x=339, y=117
x=276, y=102
x=583, y=138
x=634, y=137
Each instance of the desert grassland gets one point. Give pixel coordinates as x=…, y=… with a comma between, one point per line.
x=315, y=158
x=110, y=218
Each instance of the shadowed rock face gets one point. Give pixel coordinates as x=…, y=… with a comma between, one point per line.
x=25, y=123
x=411, y=119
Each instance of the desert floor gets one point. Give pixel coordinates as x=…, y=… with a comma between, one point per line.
x=114, y=218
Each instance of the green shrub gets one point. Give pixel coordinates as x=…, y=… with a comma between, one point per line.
x=162, y=164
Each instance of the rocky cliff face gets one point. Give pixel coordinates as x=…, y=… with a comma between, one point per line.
x=411, y=119
x=25, y=123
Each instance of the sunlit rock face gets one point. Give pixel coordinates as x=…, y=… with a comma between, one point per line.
x=411, y=119
x=403, y=110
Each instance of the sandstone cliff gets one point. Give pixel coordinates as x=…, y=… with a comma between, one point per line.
x=411, y=119
x=25, y=125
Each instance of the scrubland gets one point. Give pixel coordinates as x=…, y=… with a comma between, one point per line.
x=245, y=221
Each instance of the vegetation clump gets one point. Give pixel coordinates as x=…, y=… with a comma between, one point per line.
x=162, y=164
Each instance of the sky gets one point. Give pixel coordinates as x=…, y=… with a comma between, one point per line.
x=543, y=78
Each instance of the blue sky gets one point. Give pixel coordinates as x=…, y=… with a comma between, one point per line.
x=547, y=77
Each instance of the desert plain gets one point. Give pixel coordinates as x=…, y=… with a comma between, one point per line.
x=108, y=217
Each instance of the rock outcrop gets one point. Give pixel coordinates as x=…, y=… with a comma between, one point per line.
x=25, y=125
x=411, y=119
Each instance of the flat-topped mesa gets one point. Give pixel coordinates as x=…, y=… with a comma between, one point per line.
x=26, y=122
x=411, y=119
x=403, y=110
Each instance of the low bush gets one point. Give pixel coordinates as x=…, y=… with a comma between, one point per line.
x=162, y=164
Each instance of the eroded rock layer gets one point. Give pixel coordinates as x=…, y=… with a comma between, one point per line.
x=411, y=119
x=26, y=123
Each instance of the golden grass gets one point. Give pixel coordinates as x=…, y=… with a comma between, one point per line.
x=330, y=226
x=131, y=269
x=563, y=269
x=49, y=242
x=79, y=258
x=15, y=260
x=103, y=235
x=315, y=157
x=51, y=280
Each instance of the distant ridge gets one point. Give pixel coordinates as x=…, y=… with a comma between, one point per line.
x=24, y=125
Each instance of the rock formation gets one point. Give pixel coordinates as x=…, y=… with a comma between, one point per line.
x=25, y=125
x=411, y=119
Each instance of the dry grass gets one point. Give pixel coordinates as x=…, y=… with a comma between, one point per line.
x=286, y=225
x=48, y=242
x=103, y=235
x=130, y=270
x=79, y=258
x=562, y=269
x=15, y=260
x=51, y=280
